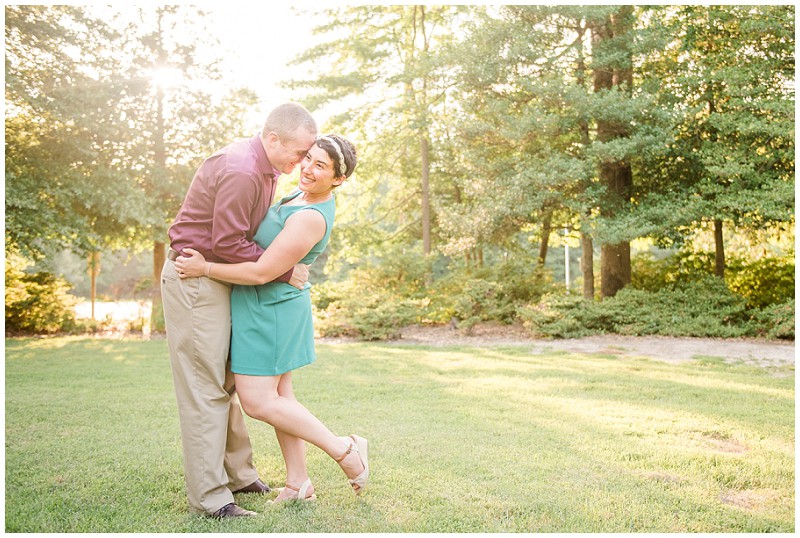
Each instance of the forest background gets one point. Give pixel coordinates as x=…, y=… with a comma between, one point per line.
x=651, y=145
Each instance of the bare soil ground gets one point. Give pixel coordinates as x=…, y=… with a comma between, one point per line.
x=767, y=353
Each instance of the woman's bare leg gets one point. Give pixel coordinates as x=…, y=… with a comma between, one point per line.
x=292, y=447
x=261, y=399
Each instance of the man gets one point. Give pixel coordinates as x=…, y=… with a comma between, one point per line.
x=227, y=200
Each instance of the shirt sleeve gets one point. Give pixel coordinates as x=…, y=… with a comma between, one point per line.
x=237, y=194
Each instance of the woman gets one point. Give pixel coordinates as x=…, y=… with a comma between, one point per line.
x=272, y=332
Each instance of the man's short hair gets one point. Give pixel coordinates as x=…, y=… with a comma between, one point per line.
x=285, y=119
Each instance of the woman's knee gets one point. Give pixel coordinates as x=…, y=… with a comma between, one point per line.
x=258, y=408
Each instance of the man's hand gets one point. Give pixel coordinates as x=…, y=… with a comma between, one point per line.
x=299, y=276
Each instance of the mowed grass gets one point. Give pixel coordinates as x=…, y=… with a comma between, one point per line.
x=461, y=440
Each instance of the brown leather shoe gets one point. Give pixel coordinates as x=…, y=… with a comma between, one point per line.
x=231, y=510
x=256, y=487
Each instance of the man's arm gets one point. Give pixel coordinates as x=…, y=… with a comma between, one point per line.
x=236, y=195
x=303, y=230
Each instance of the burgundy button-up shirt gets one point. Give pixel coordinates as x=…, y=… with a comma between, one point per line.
x=227, y=200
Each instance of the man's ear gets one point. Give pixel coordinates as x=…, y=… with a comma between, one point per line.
x=272, y=138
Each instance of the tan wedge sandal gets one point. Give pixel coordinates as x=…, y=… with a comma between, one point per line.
x=302, y=493
x=359, y=444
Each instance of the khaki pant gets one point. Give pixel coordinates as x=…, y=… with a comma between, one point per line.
x=217, y=455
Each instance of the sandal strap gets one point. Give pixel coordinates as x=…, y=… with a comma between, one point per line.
x=302, y=490
x=349, y=450
x=302, y=493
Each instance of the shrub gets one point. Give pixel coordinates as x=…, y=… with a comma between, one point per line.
x=482, y=300
x=765, y=282
x=347, y=309
x=777, y=321
x=36, y=303
x=490, y=294
x=559, y=316
x=703, y=308
x=682, y=267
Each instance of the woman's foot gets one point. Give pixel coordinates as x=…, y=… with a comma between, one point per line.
x=354, y=462
x=291, y=493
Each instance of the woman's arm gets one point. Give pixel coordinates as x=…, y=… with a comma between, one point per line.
x=302, y=231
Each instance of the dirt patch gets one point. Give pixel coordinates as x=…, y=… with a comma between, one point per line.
x=664, y=478
x=766, y=353
x=720, y=442
x=747, y=499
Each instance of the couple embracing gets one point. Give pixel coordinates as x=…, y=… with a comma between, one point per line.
x=238, y=310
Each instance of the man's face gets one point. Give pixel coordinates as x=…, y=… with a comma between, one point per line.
x=286, y=153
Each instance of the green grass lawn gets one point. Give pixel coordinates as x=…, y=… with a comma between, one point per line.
x=461, y=440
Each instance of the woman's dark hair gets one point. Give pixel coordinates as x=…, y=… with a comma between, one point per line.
x=339, y=148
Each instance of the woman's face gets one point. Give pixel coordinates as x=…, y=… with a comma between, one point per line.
x=317, y=174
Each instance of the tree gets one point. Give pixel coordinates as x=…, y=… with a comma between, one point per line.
x=65, y=183
x=67, y=179
x=550, y=121
x=175, y=116
x=613, y=74
x=727, y=80
x=99, y=152
x=513, y=138
x=384, y=60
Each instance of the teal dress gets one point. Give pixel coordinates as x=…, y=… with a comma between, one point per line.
x=272, y=327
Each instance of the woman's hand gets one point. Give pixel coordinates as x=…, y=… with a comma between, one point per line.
x=193, y=266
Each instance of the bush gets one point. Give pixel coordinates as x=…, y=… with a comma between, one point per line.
x=765, y=282
x=490, y=294
x=481, y=300
x=560, y=316
x=347, y=309
x=704, y=308
x=36, y=303
x=777, y=321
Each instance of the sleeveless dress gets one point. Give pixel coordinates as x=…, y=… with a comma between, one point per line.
x=272, y=327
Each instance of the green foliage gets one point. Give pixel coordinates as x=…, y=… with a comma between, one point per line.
x=777, y=321
x=562, y=316
x=482, y=300
x=682, y=267
x=366, y=315
x=374, y=304
x=70, y=162
x=723, y=75
x=702, y=308
x=36, y=303
x=764, y=283
x=492, y=293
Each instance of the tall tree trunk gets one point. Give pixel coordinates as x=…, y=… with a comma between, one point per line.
x=587, y=245
x=587, y=265
x=426, y=195
x=547, y=223
x=426, y=208
x=94, y=270
x=615, y=260
x=615, y=268
x=719, y=250
x=159, y=168
x=617, y=177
